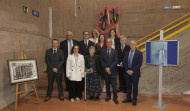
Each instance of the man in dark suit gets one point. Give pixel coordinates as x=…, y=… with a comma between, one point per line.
x=109, y=60
x=85, y=44
x=66, y=46
x=121, y=51
x=132, y=62
x=54, y=59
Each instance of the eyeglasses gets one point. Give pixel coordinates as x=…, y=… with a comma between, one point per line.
x=76, y=48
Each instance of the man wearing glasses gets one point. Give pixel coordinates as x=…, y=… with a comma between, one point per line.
x=85, y=44
x=66, y=46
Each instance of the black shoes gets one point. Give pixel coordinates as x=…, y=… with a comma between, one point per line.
x=116, y=101
x=134, y=103
x=126, y=101
x=47, y=99
x=61, y=98
x=119, y=90
x=107, y=98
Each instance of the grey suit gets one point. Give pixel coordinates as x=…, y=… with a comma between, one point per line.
x=110, y=61
x=54, y=61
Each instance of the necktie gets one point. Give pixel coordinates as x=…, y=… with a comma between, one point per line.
x=54, y=52
x=70, y=46
x=86, y=44
x=122, y=48
x=130, y=59
x=108, y=52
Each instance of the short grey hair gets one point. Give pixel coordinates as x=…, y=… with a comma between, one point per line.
x=92, y=47
x=123, y=36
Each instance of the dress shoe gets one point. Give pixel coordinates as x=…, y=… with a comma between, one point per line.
x=119, y=90
x=134, y=103
x=125, y=101
x=61, y=98
x=96, y=98
x=107, y=98
x=116, y=101
x=47, y=98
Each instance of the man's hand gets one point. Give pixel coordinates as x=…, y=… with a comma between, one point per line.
x=109, y=73
x=107, y=70
x=55, y=70
x=130, y=72
x=121, y=64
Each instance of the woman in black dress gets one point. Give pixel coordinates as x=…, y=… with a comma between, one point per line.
x=99, y=47
x=92, y=64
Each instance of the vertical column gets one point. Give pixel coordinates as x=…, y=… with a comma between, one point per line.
x=50, y=22
x=160, y=76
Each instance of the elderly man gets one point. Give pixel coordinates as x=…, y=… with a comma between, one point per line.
x=109, y=60
x=132, y=62
x=122, y=48
x=66, y=46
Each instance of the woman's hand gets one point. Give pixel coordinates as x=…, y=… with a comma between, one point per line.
x=84, y=73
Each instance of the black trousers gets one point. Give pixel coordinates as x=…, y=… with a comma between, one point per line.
x=111, y=79
x=122, y=84
x=51, y=77
x=76, y=89
x=67, y=81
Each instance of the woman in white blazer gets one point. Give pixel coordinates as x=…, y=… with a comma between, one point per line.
x=75, y=72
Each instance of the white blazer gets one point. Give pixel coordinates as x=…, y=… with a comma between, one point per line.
x=73, y=70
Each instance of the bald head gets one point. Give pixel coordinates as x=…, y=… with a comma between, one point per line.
x=69, y=35
x=133, y=44
x=108, y=42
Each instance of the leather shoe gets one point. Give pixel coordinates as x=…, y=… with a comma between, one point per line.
x=116, y=101
x=125, y=101
x=119, y=90
x=47, y=98
x=134, y=103
x=107, y=98
x=61, y=98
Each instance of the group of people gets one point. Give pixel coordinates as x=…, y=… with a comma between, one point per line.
x=97, y=58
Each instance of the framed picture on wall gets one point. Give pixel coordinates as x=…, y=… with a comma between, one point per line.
x=22, y=70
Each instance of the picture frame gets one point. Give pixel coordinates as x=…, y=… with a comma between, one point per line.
x=22, y=70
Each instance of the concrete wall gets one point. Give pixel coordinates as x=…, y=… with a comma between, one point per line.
x=33, y=31
x=138, y=18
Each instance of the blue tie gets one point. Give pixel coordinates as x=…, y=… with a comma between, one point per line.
x=130, y=59
x=70, y=46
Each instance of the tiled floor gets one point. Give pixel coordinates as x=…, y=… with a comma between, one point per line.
x=145, y=103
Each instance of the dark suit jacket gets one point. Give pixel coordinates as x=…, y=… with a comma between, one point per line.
x=64, y=47
x=111, y=61
x=54, y=62
x=117, y=42
x=82, y=47
x=136, y=63
x=97, y=63
x=121, y=54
